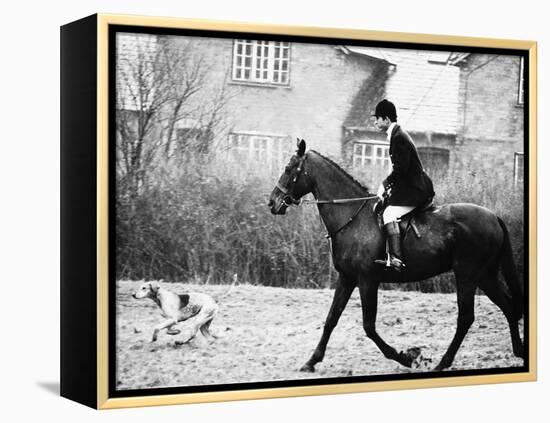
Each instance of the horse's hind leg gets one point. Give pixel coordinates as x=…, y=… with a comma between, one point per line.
x=341, y=296
x=466, y=289
x=369, y=301
x=496, y=293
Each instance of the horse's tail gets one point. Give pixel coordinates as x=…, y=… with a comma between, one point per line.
x=508, y=269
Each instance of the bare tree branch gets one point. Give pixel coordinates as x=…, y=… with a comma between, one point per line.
x=167, y=103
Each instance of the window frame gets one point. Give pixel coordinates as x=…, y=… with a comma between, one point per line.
x=383, y=161
x=266, y=67
x=275, y=153
x=521, y=82
x=519, y=177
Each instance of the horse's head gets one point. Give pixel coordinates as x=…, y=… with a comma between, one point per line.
x=293, y=184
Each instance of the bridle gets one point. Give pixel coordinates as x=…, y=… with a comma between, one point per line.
x=288, y=199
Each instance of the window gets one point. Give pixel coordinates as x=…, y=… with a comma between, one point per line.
x=261, y=61
x=271, y=151
x=521, y=82
x=518, y=168
x=371, y=154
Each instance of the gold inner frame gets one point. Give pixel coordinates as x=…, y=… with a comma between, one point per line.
x=103, y=22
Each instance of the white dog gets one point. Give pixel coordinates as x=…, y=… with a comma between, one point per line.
x=177, y=308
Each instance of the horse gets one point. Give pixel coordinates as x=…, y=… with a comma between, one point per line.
x=468, y=239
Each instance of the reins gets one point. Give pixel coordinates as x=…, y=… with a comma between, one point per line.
x=338, y=200
x=329, y=235
x=291, y=200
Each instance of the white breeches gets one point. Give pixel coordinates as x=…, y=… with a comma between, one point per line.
x=392, y=213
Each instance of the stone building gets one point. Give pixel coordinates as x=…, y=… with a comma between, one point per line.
x=462, y=110
x=490, y=125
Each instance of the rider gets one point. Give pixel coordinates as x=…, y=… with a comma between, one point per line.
x=406, y=187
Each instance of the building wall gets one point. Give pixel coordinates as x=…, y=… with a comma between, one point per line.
x=323, y=81
x=488, y=92
x=484, y=158
x=480, y=157
x=490, y=118
x=132, y=48
x=323, y=84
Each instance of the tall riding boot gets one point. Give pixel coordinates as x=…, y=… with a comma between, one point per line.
x=393, y=259
x=394, y=242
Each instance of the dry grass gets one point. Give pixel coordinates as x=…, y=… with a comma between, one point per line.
x=207, y=219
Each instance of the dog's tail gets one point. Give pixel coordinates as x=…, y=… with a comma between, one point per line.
x=230, y=289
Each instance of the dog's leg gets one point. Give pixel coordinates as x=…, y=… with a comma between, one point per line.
x=194, y=328
x=203, y=317
x=205, y=330
x=163, y=325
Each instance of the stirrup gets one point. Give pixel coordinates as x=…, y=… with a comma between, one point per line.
x=384, y=262
x=392, y=262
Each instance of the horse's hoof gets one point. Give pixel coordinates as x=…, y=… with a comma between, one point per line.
x=307, y=368
x=407, y=358
x=414, y=352
x=404, y=359
x=518, y=352
x=442, y=366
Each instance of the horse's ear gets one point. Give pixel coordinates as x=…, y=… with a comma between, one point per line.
x=301, y=147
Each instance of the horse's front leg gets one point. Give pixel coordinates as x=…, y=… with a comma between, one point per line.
x=343, y=291
x=369, y=302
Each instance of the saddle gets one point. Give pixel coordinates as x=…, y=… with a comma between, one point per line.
x=406, y=222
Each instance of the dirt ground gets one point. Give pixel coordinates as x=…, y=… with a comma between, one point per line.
x=267, y=334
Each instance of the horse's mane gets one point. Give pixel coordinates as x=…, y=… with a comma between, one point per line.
x=337, y=166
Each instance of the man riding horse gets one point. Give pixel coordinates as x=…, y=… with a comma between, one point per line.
x=405, y=188
x=468, y=239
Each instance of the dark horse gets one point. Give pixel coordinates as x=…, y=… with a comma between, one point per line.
x=469, y=239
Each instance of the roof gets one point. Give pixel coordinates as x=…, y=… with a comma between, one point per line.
x=371, y=53
x=423, y=85
x=458, y=58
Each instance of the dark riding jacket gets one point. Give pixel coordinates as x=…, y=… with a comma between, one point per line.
x=408, y=184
